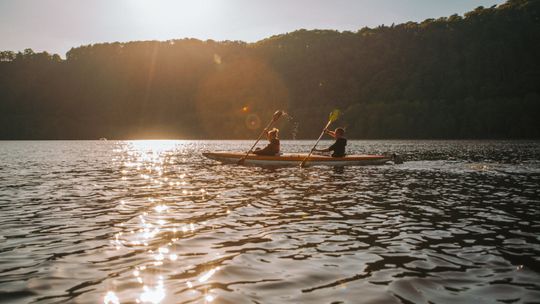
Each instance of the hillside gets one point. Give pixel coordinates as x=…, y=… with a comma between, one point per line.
x=471, y=76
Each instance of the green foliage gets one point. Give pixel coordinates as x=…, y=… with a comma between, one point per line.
x=474, y=76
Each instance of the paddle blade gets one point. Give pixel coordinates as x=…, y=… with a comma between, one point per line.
x=277, y=115
x=333, y=115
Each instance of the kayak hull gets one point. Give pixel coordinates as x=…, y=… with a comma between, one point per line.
x=294, y=159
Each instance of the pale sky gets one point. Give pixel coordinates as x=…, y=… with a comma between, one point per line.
x=57, y=25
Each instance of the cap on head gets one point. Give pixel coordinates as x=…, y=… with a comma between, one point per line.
x=340, y=131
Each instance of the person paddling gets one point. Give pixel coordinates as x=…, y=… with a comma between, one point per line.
x=338, y=147
x=273, y=147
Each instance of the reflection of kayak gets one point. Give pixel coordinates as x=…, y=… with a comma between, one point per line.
x=294, y=159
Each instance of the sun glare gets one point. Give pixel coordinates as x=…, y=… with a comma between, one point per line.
x=163, y=19
x=155, y=146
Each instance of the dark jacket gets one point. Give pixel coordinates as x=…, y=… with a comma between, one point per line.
x=271, y=149
x=338, y=147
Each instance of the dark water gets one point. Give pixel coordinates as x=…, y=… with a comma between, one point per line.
x=153, y=221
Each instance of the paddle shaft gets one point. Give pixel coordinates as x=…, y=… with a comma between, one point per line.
x=260, y=136
x=316, y=143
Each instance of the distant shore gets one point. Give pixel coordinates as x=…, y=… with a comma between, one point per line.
x=471, y=76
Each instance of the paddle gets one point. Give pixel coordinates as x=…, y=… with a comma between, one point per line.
x=331, y=118
x=275, y=117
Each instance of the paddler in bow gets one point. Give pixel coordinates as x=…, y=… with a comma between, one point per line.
x=273, y=146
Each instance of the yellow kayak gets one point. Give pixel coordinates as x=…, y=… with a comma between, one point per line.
x=294, y=159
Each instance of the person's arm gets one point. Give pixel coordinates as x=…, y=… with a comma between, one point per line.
x=331, y=133
x=271, y=149
x=321, y=150
x=262, y=151
x=331, y=148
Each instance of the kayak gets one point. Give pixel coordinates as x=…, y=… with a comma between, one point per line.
x=294, y=159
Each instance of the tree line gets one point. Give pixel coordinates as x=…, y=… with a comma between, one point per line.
x=471, y=76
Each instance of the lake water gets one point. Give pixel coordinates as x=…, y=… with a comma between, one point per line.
x=155, y=222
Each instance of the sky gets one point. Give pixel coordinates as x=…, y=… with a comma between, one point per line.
x=56, y=26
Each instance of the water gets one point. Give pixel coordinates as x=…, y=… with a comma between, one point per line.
x=154, y=221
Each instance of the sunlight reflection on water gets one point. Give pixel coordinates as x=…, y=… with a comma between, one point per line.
x=155, y=222
x=148, y=159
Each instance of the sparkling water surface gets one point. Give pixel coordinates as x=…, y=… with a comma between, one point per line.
x=155, y=222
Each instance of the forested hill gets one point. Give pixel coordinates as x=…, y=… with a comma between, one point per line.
x=471, y=76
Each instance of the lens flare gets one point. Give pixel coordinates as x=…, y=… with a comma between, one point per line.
x=253, y=121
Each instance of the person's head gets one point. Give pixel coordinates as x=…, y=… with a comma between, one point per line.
x=273, y=134
x=340, y=132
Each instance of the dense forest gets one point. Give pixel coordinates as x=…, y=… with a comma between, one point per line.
x=471, y=76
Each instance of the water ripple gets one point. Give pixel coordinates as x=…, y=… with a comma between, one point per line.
x=155, y=222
